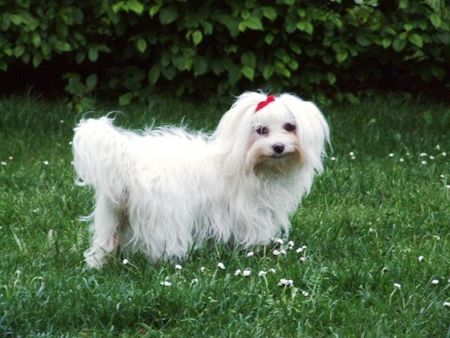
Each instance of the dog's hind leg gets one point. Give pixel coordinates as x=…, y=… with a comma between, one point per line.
x=106, y=232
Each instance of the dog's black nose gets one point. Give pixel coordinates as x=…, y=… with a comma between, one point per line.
x=278, y=148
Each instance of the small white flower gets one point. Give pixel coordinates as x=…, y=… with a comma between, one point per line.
x=303, y=259
x=446, y=304
x=353, y=157
x=304, y=293
x=194, y=281
x=291, y=244
x=397, y=286
x=238, y=272
x=3, y=163
x=423, y=154
x=45, y=163
x=444, y=154
x=391, y=155
x=125, y=261
x=276, y=252
x=402, y=160
x=262, y=273
x=431, y=157
x=352, y=153
x=279, y=241
x=286, y=282
x=250, y=254
x=70, y=143
x=61, y=121
x=10, y=158
x=448, y=186
x=408, y=154
x=438, y=147
x=221, y=266
x=247, y=272
x=442, y=176
x=202, y=269
x=333, y=158
x=423, y=162
x=435, y=282
x=272, y=270
x=166, y=283
x=421, y=259
x=178, y=267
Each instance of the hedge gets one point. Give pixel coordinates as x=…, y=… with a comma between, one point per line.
x=130, y=48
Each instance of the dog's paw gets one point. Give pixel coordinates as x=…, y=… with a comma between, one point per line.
x=95, y=258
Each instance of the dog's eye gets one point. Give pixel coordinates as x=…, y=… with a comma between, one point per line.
x=289, y=127
x=262, y=130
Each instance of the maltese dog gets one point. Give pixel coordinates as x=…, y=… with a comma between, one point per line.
x=164, y=190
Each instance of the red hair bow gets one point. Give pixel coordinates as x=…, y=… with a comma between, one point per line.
x=262, y=104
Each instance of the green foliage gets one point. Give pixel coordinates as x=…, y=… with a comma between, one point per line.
x=311, y=47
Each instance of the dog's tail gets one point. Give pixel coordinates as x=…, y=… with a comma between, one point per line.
x=100, y=156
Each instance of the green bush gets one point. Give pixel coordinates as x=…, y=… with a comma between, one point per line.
x=319, y=48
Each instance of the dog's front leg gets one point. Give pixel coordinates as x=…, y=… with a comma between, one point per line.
x=106, y=233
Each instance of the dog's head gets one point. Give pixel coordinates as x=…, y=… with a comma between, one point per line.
x=272, y=134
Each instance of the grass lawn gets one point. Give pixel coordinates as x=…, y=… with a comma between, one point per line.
x=376, y=226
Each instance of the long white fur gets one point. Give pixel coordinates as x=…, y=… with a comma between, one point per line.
x=164, y=190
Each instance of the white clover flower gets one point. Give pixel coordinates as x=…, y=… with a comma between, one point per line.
x=166, y=283
x=238, y=272
x=61, y=121
x=250, y=254
x=272, y=270
x=247, y=272
x=305, y=293
x=3, y=163
x=70, y=143
x=397, y=286
x=221, y=266
x=444, y=154
x=286, y=282
x=276, y=252
x=290, y=244
x=421, y=259
x=202, y=269
x=446, y=304
x=435, y=282
x=45, y=162
x=351, y=153
x=10, y=158
x=194, y=281
x=423, y=162
x=262, y=273
x=279, y=241
x=125, y=261
x=423, y=154
x=391, y=155
x=448, y=186
x=401, y=159
x=442, y=176
x=431, y=157
x=303, y=259
x=333, y=158
x=178, y=267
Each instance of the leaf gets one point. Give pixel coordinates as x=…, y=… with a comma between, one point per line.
x=135, y=6
x=93, y=54
x=248, y=72
x=37, y=59
x=153, y=74
x=269, y=13
x=36, y=39
x=167, y=15
x=91, y=81
x=386, y=42
x=197, y=37
x=267, y=71
x=154, y=10
x=436, y=20
x=253, y=23
x=305, y=26
x=416, y=39
x=399, y=44
x=341, y=56
x=141, y=45
x=200, y=66
x=269, y=39
x=125, y=99
x=248, y=59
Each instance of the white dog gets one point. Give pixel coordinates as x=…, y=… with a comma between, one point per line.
x=164, y=190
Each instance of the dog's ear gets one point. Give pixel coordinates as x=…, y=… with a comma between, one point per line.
x=312, y=128
x=231, y=135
